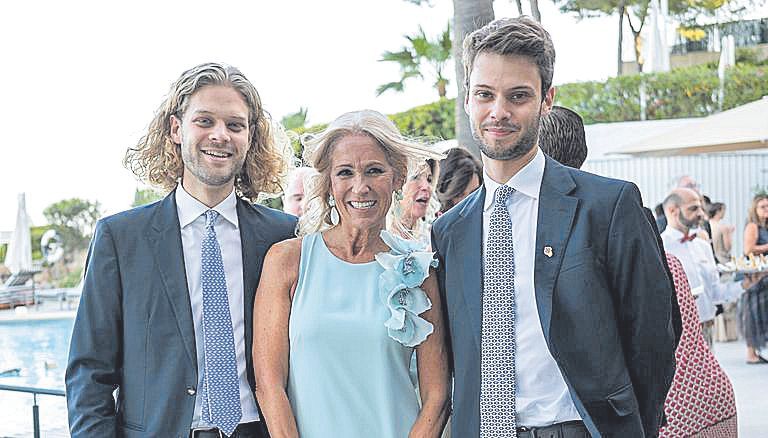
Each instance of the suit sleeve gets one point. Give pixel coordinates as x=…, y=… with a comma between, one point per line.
x=443, y=298
x=677, y=321
x=95, y=352
x=639, y=277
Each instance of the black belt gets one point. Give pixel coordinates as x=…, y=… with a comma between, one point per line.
x=243, y=430
x=567, y=429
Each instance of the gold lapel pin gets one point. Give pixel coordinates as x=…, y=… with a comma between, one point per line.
x=548, y=251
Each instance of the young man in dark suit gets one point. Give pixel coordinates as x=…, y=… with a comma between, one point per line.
x=166, y=311
x=559, y=305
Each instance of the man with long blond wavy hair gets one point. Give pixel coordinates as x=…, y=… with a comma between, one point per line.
x=166, y=310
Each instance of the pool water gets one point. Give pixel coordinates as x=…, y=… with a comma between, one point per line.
x=39, y=349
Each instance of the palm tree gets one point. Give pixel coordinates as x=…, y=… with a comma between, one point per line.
x=468, y=15
x=413, y=58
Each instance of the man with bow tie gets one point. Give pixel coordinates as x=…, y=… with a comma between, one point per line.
x=683, y=210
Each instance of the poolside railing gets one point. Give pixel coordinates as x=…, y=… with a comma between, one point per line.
x=35, y=407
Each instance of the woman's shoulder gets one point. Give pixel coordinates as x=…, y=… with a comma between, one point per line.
x=286, y=252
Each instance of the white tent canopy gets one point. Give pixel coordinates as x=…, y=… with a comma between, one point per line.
x=741, y=128
x=18, y=258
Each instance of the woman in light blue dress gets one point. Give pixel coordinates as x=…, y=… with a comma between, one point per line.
x=341, y=309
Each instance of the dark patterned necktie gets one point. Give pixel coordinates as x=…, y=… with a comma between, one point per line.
x=221, y=389
x=497, y=384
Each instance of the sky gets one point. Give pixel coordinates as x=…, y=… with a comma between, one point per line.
x=81, y=80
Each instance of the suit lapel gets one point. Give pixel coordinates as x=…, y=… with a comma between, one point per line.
x=165, y=236
x=555, y=220
x=254, y=247
x=468, y=230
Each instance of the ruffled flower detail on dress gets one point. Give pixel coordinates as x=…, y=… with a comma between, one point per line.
x=406, y=266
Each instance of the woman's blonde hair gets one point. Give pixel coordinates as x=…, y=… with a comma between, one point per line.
x=156, y=159
x=402, y=153
x=753, y=216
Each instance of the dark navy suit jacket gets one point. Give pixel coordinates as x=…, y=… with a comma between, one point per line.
x=604, y=299
x=134, y=329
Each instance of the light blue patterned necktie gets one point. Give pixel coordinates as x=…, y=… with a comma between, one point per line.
x=497, y=358
x=221, y=389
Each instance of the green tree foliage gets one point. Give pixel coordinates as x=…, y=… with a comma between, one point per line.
x=684, y=92
x=36, y=233
x=295, y=120
x=74, y=220
x=636, y=12
x=145, y=196
x=414, y=59
x=434, y=121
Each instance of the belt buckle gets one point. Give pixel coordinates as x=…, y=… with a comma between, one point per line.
x=218, y=431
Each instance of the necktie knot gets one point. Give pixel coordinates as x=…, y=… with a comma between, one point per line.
x=210, y=218
x=688, y=238
x=503, y=192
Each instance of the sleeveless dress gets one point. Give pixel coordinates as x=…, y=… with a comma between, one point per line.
x=753, y=307
x=347, y=376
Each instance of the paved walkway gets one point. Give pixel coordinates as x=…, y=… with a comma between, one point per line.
x=750, y=382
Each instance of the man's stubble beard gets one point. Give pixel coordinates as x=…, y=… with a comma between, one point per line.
x=193, y=164
x=687, y=223
x=523, y=145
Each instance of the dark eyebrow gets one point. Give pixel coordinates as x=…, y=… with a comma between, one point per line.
x=210, y=113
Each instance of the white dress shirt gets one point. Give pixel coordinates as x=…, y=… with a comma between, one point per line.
x=700, y=268
x=192, y=222
x=542, y=397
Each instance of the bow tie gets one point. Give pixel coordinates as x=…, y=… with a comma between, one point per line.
x=687, y=238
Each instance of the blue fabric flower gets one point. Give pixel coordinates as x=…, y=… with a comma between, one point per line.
x=406, y=266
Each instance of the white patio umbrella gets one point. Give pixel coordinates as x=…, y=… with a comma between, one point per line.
x=727, y=59
x=655, y=49
x=18, y=258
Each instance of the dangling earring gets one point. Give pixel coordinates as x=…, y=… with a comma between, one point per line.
x=334, y=210
x=399, y=195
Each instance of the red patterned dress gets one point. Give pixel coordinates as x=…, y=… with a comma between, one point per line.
x=701, y=402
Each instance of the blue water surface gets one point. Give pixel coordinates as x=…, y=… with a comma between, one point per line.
x=39, y=348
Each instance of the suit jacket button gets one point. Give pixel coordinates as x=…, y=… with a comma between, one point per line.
x=191, y=390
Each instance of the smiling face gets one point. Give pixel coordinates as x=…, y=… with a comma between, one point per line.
x=362, y=181
x=416, y=194
x=504, y=105
x=213, y=134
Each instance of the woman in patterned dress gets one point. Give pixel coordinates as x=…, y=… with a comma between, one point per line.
x=701, y=401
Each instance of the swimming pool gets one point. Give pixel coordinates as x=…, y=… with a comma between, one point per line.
x=39, y=349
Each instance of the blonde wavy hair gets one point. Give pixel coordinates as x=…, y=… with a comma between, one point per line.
x=402, y=153
x=156, y=159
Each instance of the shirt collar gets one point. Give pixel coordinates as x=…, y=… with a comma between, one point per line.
x=673, y=233
x=190, y=208
x=527, y=181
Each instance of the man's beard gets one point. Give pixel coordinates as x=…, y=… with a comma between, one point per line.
x=687, y=223
x=193, y=163
x=529, y=135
